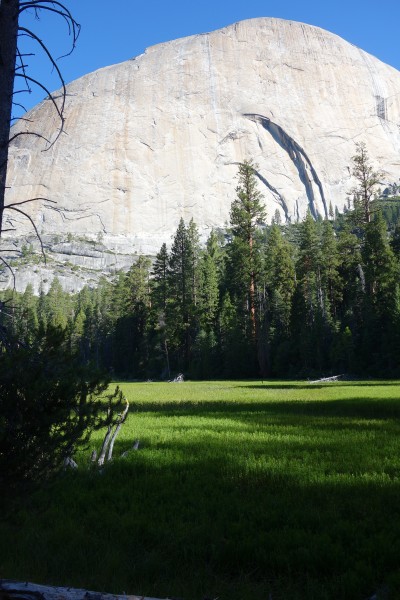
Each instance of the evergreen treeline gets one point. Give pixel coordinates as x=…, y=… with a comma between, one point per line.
x=317, y=297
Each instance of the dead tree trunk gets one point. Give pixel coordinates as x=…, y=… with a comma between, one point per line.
x=110, y=437
x=17, y=590
x=9, y=11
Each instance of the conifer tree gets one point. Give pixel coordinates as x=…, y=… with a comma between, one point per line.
x=367, y=184
x=209, y=288
x=58, y=305
x=381, y=270
x=183, y=278
x=206, y=358
x=28, y=319
x=309, y=314
x=247, y=213
x=237, y=356
x=330, y=278
x=279, y=269
x=131, y=348
x=380, y=340
x=309, y=268
x=350, y=308
x=160, y=364
x=395, y=241
x=279, y=284
x=160, y=280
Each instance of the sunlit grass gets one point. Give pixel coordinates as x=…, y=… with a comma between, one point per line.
x=238, y=490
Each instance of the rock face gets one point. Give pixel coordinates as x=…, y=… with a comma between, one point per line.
x=159, y=137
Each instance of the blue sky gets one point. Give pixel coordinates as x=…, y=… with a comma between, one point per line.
x=116, y=30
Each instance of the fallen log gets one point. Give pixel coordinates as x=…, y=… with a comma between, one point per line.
x=178, y=379
x=327, y=379
x=18, y=590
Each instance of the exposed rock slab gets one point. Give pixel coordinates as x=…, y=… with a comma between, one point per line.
x=75, y=262
x=159, y=137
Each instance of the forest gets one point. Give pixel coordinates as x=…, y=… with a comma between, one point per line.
x=317, y=297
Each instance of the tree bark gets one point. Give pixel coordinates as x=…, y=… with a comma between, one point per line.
x=8, y=48
x=17, y=590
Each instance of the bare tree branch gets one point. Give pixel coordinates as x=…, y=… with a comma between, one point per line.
x=60, y=112
x=21, y=62
x=20, y=105
x=18, y=210
x=58, y=12
x=3, y=260
x=32, y=80
x=21, y=119
x=21, y=66
x=51, y=59
x=30, y=200
x=39, y=135
x=73, y=26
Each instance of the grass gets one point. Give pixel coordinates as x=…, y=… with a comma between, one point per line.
x=239, y=490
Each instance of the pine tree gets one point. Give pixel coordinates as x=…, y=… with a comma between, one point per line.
x=381, y=272
x=29, y=320
x=247, y=213
x=58, y=305
x=139, y=307
x=205, y=356
x=279, y=271
x=209, y=287
x=131, y=328
x=277, y=219
x=160, y=279
x=309, y=318
x=279, y=283
x=160, y=363
x=350, y=312
x=9, y=321
x=367, y=181
x=183, y=282
x=237, y=354
x=330, y=278
x=380, y=341
x=395, y=241
x=309, y=268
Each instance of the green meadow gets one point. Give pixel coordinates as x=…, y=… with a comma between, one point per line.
x=239, y=490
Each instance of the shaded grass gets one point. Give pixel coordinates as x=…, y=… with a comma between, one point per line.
x=239, y=490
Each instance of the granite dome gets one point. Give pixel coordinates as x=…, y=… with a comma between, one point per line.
x=160, y=136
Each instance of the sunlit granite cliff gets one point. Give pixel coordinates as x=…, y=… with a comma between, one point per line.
x=159, y=137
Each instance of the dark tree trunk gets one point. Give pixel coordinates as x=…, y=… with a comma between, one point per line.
x=9, y=10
